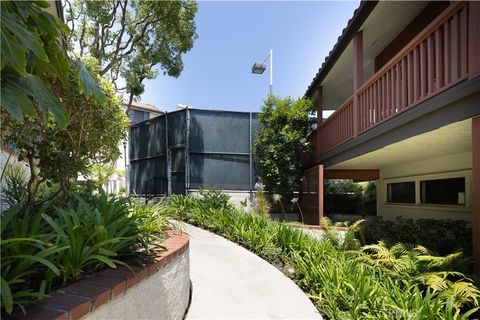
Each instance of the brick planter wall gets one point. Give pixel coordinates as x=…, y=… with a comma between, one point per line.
x=160, y=289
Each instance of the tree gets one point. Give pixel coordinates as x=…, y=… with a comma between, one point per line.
x=279, y=145
x=61, y=153
x=33, y=58
x=129, y=38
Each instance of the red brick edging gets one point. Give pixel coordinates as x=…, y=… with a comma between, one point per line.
x=87, y=295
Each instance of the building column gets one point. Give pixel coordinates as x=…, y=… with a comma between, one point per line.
x=357, y=76
x=476, y=194
x=320, y=192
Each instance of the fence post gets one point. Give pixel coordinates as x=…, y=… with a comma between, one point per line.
x=187, y=149
x=168, y=158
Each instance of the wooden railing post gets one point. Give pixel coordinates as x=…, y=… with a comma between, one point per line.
x=473, y=37
x=357, y=77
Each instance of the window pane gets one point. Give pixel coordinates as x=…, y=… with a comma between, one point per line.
x=401, y=192
x=443, y=191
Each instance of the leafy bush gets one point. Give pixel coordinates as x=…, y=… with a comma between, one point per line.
x=260, y=204
x=345, y=282
x=51, y=246
x=440, y=236
x=279, y=145
x=214, y=198
x=347, y=197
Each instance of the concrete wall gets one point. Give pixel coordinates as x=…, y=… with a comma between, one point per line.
x=164, y=295
x=450, y=166
x=236, y=197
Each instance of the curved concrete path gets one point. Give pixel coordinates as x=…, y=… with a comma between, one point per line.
x=230, y=282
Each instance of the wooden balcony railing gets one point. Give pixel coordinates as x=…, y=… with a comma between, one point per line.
x=435, y=60
x=338, y=128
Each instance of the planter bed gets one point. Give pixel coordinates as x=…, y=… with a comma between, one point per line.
x=120, y=286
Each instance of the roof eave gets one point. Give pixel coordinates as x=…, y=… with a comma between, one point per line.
x=354, y=24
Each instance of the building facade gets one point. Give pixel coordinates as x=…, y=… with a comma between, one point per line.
x=404, y=82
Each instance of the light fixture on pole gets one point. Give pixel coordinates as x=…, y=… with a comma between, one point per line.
x=259, y=68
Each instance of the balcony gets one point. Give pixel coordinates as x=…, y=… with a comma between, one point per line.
x=438, y=58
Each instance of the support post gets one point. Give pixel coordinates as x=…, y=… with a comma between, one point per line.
x=187, y=149
x=476, y=194
x=357, y=76
x=473, y=38
x=168, y=157
x=320, y=193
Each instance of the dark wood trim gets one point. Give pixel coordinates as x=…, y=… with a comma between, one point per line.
x=355, y=175
x=473, y=37
x=357, y=76
x=355, y=23
x=456, y=104
x=420, y=22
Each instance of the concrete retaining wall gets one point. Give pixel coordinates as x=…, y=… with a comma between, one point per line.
x=164, y=295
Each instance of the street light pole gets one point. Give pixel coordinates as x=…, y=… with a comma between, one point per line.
x=271, y=71
x=259, y=68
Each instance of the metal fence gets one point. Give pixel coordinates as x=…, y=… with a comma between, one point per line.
x=191, y=149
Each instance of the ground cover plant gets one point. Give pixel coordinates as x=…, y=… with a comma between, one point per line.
x=49, y=247
x=441, y=236
x=345, y=280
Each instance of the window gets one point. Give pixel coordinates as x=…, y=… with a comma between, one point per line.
x=138, y=116
x=443, y=191
x=401, y=192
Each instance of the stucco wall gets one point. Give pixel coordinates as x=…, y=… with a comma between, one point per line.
x=164, y=295
x=450, y=166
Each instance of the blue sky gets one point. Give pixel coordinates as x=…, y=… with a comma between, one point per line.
x=233, y=35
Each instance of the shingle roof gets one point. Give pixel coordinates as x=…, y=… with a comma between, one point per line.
x=143, y=106
x=353, y=25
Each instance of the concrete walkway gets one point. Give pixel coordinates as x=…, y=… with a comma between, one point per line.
x=230, y=282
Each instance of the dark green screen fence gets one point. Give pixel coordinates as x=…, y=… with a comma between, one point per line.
x=193, y=149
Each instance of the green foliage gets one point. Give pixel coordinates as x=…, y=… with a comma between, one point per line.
x=14, y=190
x=129, y=38
x=100, y=174
x=214, y=198
x=279, y=145
x=49, y=247
x=61, y=153
x=15, y=186
x=33, y=61
x=28, y=256
x=344, y=280
x=347, y=197
x=441, y=236
x=261, y=206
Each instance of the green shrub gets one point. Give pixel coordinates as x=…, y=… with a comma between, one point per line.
x=51, y=246
x=345, y=281
x=214, y=198
x=440, y=236
x=28, y=257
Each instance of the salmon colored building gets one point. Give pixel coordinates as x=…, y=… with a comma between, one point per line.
x=404, y=81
